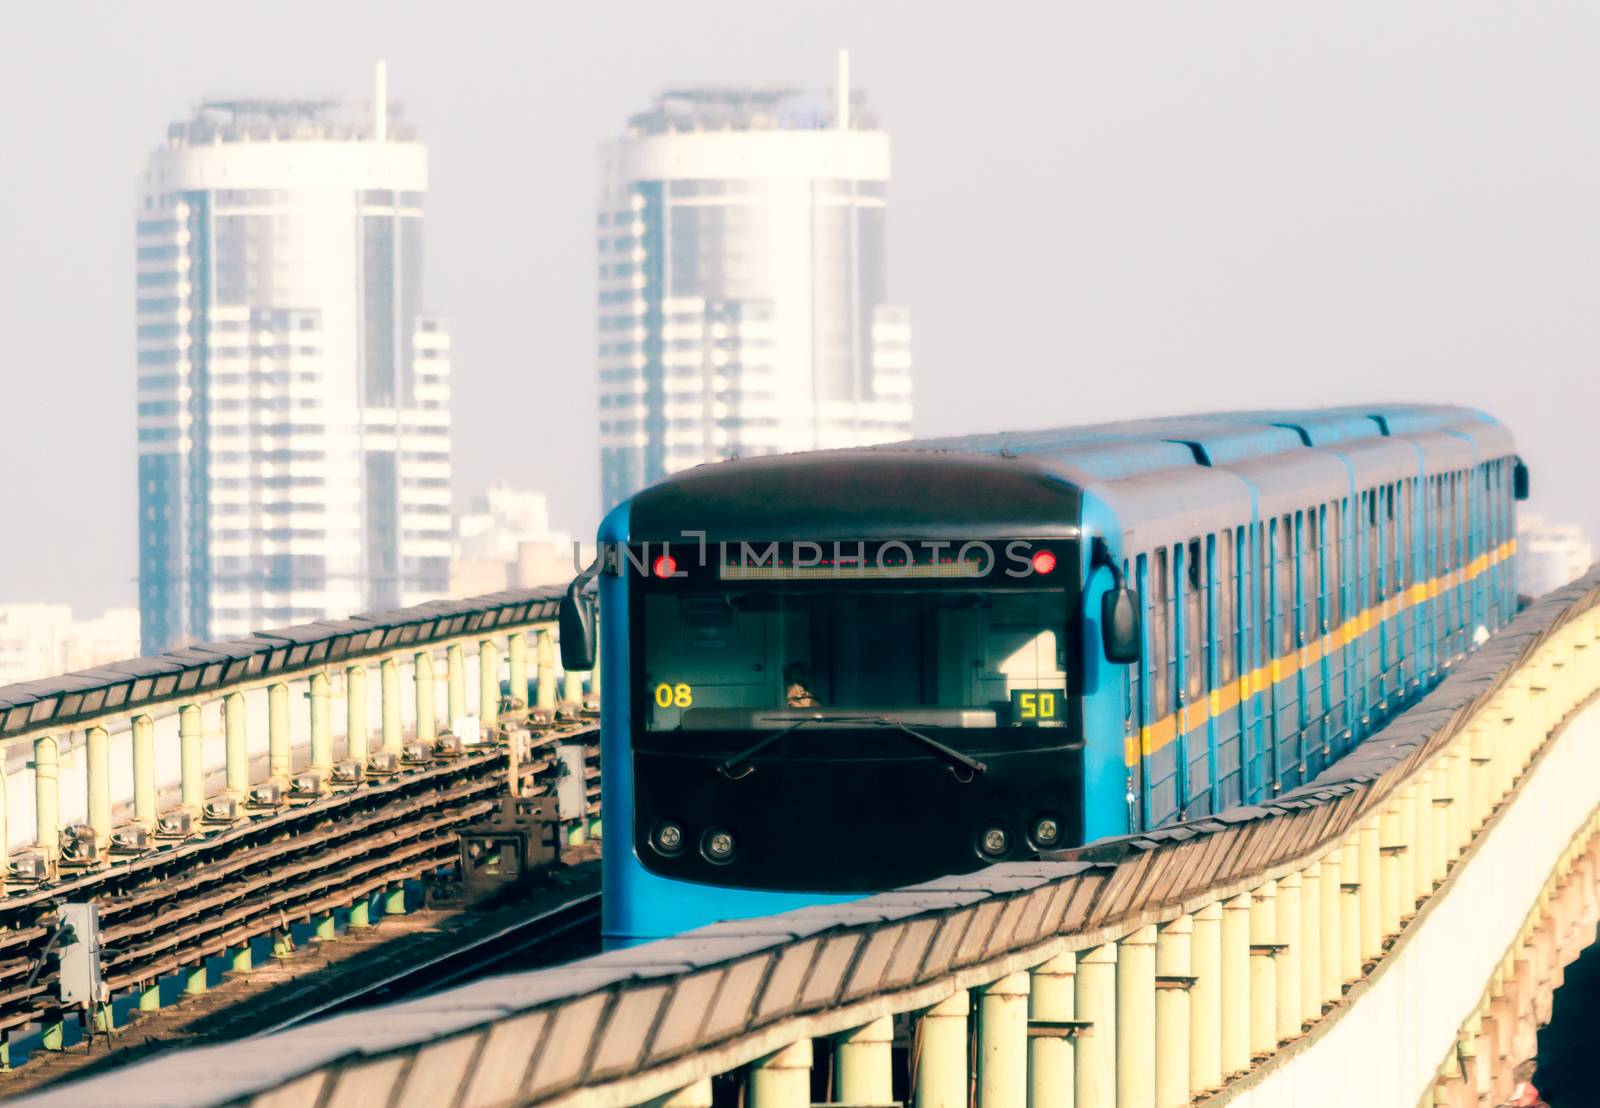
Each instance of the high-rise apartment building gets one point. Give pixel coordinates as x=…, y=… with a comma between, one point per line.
x=294, y=395
x=744, y=305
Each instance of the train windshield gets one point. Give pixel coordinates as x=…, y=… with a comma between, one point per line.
x=935, y=657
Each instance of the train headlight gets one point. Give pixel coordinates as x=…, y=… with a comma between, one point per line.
x=1046, y=832
x=994, y=841
x=717, y=845
x=667, y=838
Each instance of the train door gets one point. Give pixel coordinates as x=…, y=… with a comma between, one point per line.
x=1307, y=685
x=1283, y=704
x=1198, y=773
x=1227, y=697
x=1253, y=621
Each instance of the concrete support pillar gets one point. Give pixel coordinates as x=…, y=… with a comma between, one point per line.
x=357, y=728
x=1236, y=985
x=279, y=734
x=242, y=960
x=1330, y=937
x=427, y=714
x=940, y=1080
x=1372, y=895
x=1421, y=841
x=544, y=656
x=1174, y=966
x=236, y=752
x=1051, y=1058
x=97, y=746
x=863, y=1064
x=1439, y=839
x=517, y=660
x=1391, y=849
x=389, y=695
x=1097, y=1004
x=781, y=1079
x=394, y=900
x=1263, y=969
x=1407, y=868
x=1460, y=811
x=1308, y=943
x=1286, y=963
x=1136, y=1018
x=144, y=771
x=321, y=724
x=488, y=684
x=196, y=978
x=1481, y=770
x=1351, y=911
x=572, y=686
x=1205, y=1001
x=1003, y=1042
x=191, y=749
x=361, y=914
x=47, y=798
x=455, y=672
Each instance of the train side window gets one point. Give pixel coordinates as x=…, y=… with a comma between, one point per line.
x=1160, y=636
x=1370, y=497
x=1305, y=526
x=1393, y=556
x=1260, y=646
x=1227, y=636
x=1334, y=540
x=1283, y=580
x=1194, y=622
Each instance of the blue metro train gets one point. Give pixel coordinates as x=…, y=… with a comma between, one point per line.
x=838, y=672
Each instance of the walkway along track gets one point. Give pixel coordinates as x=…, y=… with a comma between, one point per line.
x=177, y=906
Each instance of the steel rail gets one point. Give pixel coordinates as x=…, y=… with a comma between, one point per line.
x=459, y=964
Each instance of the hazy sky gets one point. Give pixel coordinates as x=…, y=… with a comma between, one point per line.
x=1097, y=211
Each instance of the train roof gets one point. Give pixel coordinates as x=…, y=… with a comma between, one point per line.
x=1021, y=482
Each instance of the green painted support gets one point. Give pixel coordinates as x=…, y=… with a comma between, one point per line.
x=517, y=651
x=192, y=767
x=427, y=714
x=321, y=724
x=544, y=656
x=862, y=1063
x=237, y=749
x=594, y=827
x=283, y=944
x=47, y=798
x=144, y=770
x=576, y=835
x=195, y=979
x=488, y=684
x=1051, y=1067
x=98, y=747
x=105, y=1018
x=940, y=1077
x=279, y=734
x=324, y=927
x=1003, y=1042
x=361, y=914
x=455, y=672
x=53, y=1033
x=389, y=684
x=358, y=730
x=150, y=996
x=781, y=1079
x=5, y=1053
x=242, y=961
x=394, y=901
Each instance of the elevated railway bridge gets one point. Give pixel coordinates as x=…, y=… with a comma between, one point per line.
x=1390, y=932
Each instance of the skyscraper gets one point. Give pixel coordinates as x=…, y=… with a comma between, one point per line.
x=744, y=303
x=293, y=395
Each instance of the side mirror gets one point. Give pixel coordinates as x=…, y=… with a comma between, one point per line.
x=576, y=622
x=1519, y=480
x=1119, y=625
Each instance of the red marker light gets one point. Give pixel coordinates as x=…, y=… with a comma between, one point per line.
x=665, y=566
x=1044, y=562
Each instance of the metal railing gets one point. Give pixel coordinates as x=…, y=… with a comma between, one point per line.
x=1144, y=971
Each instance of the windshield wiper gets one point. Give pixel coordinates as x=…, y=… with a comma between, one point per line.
x=956, y=761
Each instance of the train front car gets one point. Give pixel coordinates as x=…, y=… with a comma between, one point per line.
x=832, y=674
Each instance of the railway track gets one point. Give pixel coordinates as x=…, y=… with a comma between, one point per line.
x=540, y=940
x=177, y=906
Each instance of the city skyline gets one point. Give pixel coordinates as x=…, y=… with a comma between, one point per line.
x=1097, y=215
x=294, y=388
